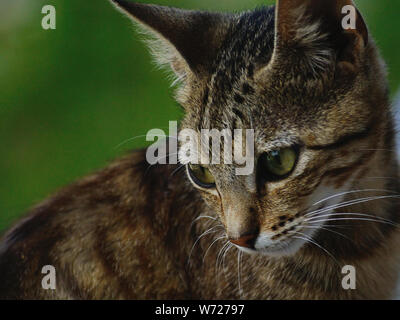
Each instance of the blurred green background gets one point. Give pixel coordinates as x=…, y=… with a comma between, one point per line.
x=70, y=96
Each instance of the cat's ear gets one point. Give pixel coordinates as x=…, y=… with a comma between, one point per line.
x=320, y=32
x=187, y=41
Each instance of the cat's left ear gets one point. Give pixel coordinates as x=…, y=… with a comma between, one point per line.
x=188, y=41
x=319, y=33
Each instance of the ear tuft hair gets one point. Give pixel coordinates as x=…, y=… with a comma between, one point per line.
x=311, y=32
x=188, y=41
x=311, y=41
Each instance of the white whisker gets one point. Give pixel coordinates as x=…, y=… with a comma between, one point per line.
x=201, y=236
x=203, y=217
x=350, y=202
x=158, y=162
x=141, y=136
x=349, y=192
x=239, y=262
x=219, y=255
x=307, y=239
x=323, y=228
x=348, y=213
x=176, y=170
x=223, y=258
x=355, y=219
x=209, y=247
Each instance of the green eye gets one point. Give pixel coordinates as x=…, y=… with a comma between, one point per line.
x=277, y=165
x=201, y=175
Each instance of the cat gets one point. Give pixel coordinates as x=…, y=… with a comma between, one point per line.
x=323, y=197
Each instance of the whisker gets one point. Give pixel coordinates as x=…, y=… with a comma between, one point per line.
x=158, y=162
x=142, y=136
x=223, y=259
x=307, y=239
x=349, y=203
x=385, y=178
x=202, y=217
x=201, y=236
x=177, y=169
x=217, y=264
x=355, y=219
x=209, y=247
x=348, y=213
x=323, y=228
x=239, y=272
x=351, y=191
x=390, y=150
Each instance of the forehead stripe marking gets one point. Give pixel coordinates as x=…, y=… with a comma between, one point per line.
x=342, y=140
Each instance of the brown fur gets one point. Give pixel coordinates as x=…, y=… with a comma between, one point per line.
x=134, y=231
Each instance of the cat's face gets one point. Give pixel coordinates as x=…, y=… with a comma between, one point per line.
x=313, y=139
x=304, y=152
x=307, y=87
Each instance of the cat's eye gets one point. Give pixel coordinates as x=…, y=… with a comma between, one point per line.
x=278, y=164
x=201, y=176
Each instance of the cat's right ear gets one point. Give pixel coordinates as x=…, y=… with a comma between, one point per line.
x=185, y=40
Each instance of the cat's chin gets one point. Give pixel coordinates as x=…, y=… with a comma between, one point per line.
x=290, y=246
x=287, y=248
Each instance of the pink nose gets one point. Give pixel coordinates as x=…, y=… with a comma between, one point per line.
x=246, y=241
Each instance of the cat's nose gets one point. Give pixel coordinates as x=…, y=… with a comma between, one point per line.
x=246, y=241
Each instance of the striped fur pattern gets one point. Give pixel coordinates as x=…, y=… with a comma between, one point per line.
x=135, y=231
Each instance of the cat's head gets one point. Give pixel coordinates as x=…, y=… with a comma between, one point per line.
x=314, y=92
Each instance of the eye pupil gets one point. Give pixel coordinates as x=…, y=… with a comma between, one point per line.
x=278, y=164
x=201, y=176
x=275, y=157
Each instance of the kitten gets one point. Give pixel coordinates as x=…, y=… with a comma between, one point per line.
x=323, y=195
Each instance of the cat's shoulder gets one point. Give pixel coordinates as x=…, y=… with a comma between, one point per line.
x=123, y=208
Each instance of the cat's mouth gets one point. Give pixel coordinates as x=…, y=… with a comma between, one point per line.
x=287, y=242
x=286, y=247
